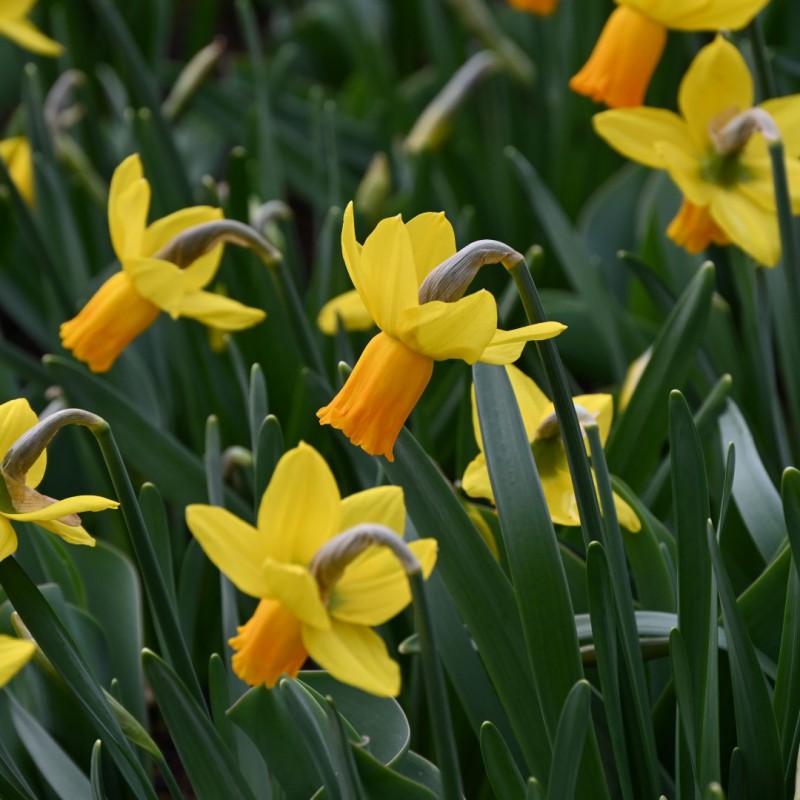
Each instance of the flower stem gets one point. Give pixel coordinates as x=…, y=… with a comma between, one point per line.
x=162, y=610
x=591, y=521
x=766, y=79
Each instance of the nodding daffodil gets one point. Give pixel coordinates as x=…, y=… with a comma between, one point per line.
x=544, y=435
x=14, y=655
x=541, y=7
x=727, y=185
x=619, y=70
x=131, y=299
x=303, y=610
x=16, y=153
x=15, y=25
x=19, y=499
x=410, y=281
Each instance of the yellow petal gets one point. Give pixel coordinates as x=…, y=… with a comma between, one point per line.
x=17, y=154
x=634, y=132
x=27, y=35
x=700, y=15
x=14, y=655
x=432, y=240
x=786, y=113
x=506, y=346
x=685, y=171
x=626, y=515
x=16, y=418
x=451, y=330
x=601, y=407
x=749, y=225
x=13, y=9
x=159, y=282
x=351, y=251
x=65, y=508
x=8, y=539
x=218, y=311
x=354, y=655
x=71, y=534
x=374, y=587
x=234, y=547
x=348, y=308
x=378, y=396
x=476, y=481
x=560, y=497
x=268, y=645
x=389, y=275
x=128, y=204
x=297, y=590
x=383, y=505
x=717, y=82
x=300, y=508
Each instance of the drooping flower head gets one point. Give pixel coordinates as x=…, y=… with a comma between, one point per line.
x=14, y=655
x=409, y=280
x=16, y=153
x=19, y=499
x=302, y=610
x=15, y=25
x=728, y=190
x=629, y=48
x=131, y=299
x=544, y=435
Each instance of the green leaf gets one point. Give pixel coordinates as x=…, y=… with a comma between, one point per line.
x=503, y=774
x=569, y=742
x=756, y=498
x=268, y=450
x=208, y=763
x=419, y=770
x=636, y=440
x=466, y=563
x=257, y=404
x=57, y=768
x=387, y=784
x=98, y=793
x=757, y=732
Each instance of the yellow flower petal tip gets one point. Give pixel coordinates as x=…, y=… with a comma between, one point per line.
x=319, y=595
x=624, y=59
x=14, y=655
x=130, y=301
x=390, y=273
x=15, y=25
x=717, y=160
x=18, y=157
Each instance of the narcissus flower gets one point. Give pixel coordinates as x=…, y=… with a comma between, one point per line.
x=541, y=7
x=723, y=171
x=15, y=25
x=308, y=607
x=619, y=70
x=544, y=435
x=16, y=153
x=19, y=499
x=130, y=300
x=410, y=281
x=14, y=655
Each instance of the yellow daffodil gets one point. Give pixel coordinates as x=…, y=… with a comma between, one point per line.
x=392, y=272
x=619, y=70
x=541, y=7
x=541, y=427
x=728, y=193
x=15, y=25
x=299, y=613
x=14, y=655
x=19, y=499
x=16, y=153
x=131, y=299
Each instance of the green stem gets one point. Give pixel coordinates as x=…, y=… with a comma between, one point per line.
x=447, y=754
x=162, y=610
x=761, y=59
x=591, y=521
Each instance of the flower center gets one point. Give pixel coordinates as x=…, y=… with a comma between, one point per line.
x=723, y=170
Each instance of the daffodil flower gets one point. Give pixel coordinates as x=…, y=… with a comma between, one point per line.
x=299, y=613
x=19, y=499
x=15, y=25
x=543, y=432
x=729, y=195
x=542, y=8
x=16, y=153
x=423, y=318
x=131, y=299
x=629, y=48
x=14, y=655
